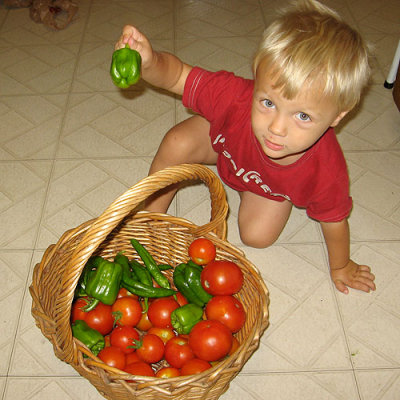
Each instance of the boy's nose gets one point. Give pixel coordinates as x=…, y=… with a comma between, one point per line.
x=278, y=126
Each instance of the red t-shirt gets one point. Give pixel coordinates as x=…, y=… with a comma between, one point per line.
x=318, y=181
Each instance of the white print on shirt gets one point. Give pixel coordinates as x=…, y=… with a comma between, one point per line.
x=249, y=175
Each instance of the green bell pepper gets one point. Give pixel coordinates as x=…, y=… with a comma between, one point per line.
x=193, y=278
x=125, y=67
x=104, y=284
x=184, y=318
x=88, y=270
x=93, y=339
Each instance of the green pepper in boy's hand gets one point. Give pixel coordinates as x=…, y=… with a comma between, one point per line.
x=125, y=67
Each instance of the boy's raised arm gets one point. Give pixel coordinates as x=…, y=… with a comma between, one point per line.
x=160, y=69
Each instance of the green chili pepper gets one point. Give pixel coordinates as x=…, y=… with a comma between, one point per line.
x=141, y=289
x=93, y=339
x=105, y=283
x=193, y=278
x=184, y=318
x=144, y=277
x=141, y=272
x=164, y=267
x=182, y=285
x=150, y=263
x=125, y=67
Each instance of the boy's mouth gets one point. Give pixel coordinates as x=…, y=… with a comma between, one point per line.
x=273, y=146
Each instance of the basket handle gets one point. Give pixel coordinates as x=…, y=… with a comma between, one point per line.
x=119, y=209
x=134, y=196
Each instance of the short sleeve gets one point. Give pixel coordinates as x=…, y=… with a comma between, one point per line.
x=212, y=93
x=333, y=203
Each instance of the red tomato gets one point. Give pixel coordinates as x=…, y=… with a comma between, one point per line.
x=125, y=338
x=127, y=311
x=77, y=312
x=168, y=372
x=144, y=324
x=139, y=368
x=160, y=311
x=100, y=318
x=113, y=356
x=163, y=333
x=131, y=358
x=221, y=278
x=210, y=340
x=202, y=251
x=228, y=310
x=181, y=299
x=178, y=351
x=150, y=349
x=195, y=366
x=125, y=293
x=235, y=345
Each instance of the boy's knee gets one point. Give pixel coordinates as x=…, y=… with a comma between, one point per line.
x=253, y=238
x=176, y=140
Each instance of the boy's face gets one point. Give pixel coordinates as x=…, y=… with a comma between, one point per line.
x=286, y=128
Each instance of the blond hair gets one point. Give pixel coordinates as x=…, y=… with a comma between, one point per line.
x=309, y=43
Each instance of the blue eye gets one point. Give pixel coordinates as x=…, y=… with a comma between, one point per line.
x=268, y=103
x=303, y=116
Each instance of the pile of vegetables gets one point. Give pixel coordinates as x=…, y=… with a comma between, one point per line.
x=132, y=317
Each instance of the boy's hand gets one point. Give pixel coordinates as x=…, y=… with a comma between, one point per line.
x=354, y=276
x=136, y=41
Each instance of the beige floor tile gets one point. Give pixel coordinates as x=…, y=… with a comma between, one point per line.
x=376, y=193
x=212, y=53
x=31, y=126
x=326, y=386
x=310, y=329
x=50, y=388
x=380, y=384
x=110, y=125
x=23, y=189
x=75, y=193
x=14, y=268
x=38, y=72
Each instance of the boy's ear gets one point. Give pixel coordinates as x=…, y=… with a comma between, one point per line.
x=339, y=118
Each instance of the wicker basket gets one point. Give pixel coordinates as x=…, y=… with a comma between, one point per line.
x=167, y=238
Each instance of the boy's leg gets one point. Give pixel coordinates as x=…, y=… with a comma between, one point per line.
x=261, y=220
x=188, y=142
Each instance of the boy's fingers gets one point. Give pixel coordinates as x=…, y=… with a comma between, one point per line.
x=368, y=279
x=364, y=284
x=368, y=275
x=341, y=287
x=128, y=30
x=364, y=268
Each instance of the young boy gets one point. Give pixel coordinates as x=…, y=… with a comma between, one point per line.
x=272, y=138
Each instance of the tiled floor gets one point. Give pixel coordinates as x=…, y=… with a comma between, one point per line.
x=70, y=143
